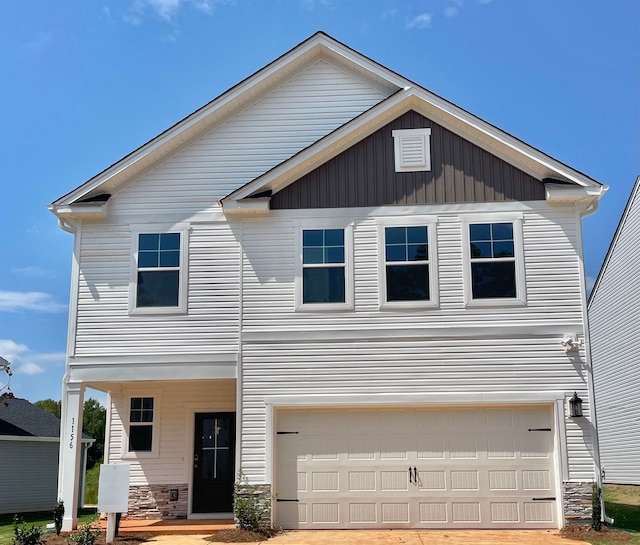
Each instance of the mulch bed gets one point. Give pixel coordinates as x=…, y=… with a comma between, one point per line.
x=586, y=533
x=236, y=535
x=131, y=539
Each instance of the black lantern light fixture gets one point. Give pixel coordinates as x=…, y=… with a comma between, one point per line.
x=575, y=405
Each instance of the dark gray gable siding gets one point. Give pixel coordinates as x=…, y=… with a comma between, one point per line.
x=364, y=175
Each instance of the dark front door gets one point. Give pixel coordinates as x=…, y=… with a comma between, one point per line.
x=213, y=462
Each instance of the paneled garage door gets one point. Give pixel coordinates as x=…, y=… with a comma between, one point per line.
x=476, y=467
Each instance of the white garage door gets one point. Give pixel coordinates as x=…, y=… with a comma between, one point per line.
x=476, y=467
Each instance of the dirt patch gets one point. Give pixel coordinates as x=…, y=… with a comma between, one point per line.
x=586, y=533
x=236, y=535
x=63, y=539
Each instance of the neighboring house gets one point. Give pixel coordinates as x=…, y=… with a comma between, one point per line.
x=29, y=448
x=366, y=299
x=614, y=319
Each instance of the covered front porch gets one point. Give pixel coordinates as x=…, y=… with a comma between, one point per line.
x=178, y=438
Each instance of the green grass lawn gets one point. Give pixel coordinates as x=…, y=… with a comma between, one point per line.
x=622, y=503
x=91, y=479
x=37, y=519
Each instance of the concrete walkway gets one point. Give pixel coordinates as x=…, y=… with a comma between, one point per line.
x=393, y=537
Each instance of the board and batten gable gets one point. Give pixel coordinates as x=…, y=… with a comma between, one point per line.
x=311, y=104
x=365, y=174
x=614, y=320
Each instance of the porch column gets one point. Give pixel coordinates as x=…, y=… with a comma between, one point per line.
x=70, y=450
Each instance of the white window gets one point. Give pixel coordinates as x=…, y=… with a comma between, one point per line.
x=159, y=272
x=324, y=279
x=412, y=149
x=494, y=261
x=408, y=262
x=140, y=418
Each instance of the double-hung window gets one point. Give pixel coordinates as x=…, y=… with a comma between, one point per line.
x=325, y=272
x=407, y=263
x=141, y=418
x=159, y=276
x=495, y=271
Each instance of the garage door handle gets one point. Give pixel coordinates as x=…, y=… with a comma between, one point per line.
x=543, y=499
x=410, y=476
x=414, y=476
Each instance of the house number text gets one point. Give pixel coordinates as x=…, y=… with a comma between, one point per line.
x=73, y=421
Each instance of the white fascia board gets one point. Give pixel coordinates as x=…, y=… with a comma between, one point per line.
x=226, y=105
x=564, y=193
x=93, y=210
x=255, y=207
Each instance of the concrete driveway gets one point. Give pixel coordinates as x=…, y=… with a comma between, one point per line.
x=394, y=537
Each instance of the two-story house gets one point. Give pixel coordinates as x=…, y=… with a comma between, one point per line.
x=363, y=297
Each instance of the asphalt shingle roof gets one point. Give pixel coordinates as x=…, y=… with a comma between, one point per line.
x=20, y=417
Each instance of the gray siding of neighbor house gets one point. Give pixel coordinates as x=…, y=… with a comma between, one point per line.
x=614, y=323
x=364, y=175
x=29, y=476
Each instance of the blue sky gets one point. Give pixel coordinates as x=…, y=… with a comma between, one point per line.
x=83, y=83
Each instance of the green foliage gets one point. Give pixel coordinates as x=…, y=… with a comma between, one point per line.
x=249, y=505
x=91, y=479
x=596, y=507
x=51, y=406
x=94, y=420
x=24, y=535
x=87, y=534
x=58, y=513
x=93, y=423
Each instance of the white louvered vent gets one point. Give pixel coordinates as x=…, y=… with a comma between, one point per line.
x=412, y=149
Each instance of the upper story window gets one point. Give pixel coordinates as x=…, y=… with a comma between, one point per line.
x=495, y=262
x=408, y=262
x=141, y=424
x=325, y=269
x=323, y=266
x=159, y=279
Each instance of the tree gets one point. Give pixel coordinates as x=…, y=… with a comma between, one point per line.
x=94, y=420
x=49, y=405
x=93, y=424
x=5, y=390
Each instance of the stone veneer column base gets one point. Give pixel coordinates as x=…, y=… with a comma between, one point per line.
x=577, y=502
x=263, y=492
x=154, y=502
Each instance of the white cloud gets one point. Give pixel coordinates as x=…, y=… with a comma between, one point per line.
x=32, y=271
x=451, y=11
x=420, y=21
x=17, y=301
x=36, y=46
x=168, y=9
x=25, y=362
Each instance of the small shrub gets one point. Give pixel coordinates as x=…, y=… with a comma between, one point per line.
x=23, y=535
x=249, y=505
x=87, y=534
x=58, y=514
x=596, y=507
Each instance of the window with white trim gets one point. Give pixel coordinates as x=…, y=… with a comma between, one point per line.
x=495, y=264
x=323, y=266
x=159, y=275
x=141, y=422
x=325, y=279
x=408, y=262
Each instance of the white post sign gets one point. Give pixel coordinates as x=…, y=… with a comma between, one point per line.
x=113, y=494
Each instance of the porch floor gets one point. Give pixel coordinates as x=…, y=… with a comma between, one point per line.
x=173, y=527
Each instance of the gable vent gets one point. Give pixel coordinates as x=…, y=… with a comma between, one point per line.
x=412, y=149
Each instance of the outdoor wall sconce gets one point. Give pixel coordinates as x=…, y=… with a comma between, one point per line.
x=575, y=406
x=570, y=343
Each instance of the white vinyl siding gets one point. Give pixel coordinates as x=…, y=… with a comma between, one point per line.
x=293, y=116
x=174, y=426
x=614, y=318
x=104, y=326
x=450, y=349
